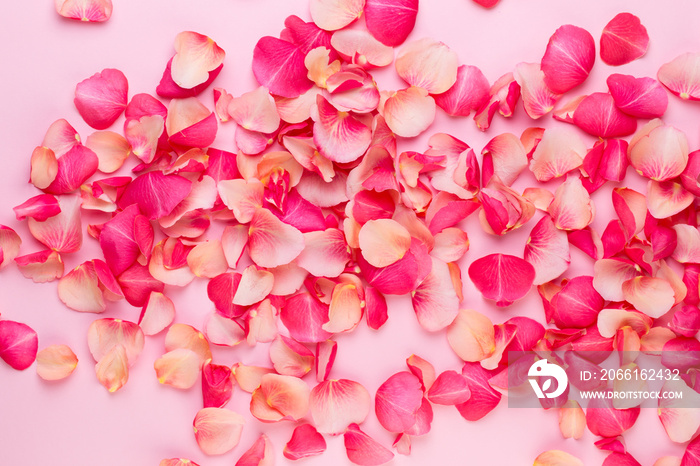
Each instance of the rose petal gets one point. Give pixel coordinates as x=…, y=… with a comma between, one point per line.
x=505, y=157
x=304, y=316
x=85, y=10
x=155, y=194
x=223, y=331
x=196, y=56
x=280, y=396
x=18, y=344
x=9, y=245
x=598, y=115
x=259, y=454
x=41, y=267
x=361, y=48
x=271, y=242
x=255, y=111
x=363, y=449
x=335, y=404
x=667, y=198
x=435, y=300
x=335, y=14
x=572, y=420
x=207, y=259
x=638, y=97
x=397, y=400
x=450, y=388
x=217, y=430
x=483, y=397
x=339, y=136
x=560, y=151
x=101, y=98
x=624, y=39
x=502, y=278
x=391, y=22
x=471, y=336
x=428, y=64
x=325, y=253
x=189, y=123
x=290, y=357
x=113, y=369
x=557, y=458
x=572, y=208
x=74, y=168
x=137, y=284
x=279, y=66
x=568, y=59
x=157, y=314
x=538, y=99
x=217, y=385
x=178, y=368
x=547, y=249
x=650, y=295
x=79, y=289
x=469, y=93
x=305, y=442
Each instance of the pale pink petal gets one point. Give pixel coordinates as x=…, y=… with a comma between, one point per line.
x=391, y=22
x=102, y=98
x=207, y=259
x=688, y=244
x=9, y=245
x=178, y=368
x=638, y=97
x=176, y=276
x=290, y=357
x=631, y=209
x=668, y=461
x=363, y=450
x=667, y=198
x=254, y=286
x=339, y=136
x=471, y=336
x=259, y=454
x=450, y=388
x=538, y=99
x=409, y=112
x=113, y=369
x=196, y=55
x=74, y=168
x=568, y=59
x=143, y=134
x=605, y=421
x=105, y=334
x=169, y=89
x=335, y=404
x=681, y=76
x=177, y=462
x=55, y=362
x=249, y=377
x=223, y=331
x=483, y=397
x=217, y=385
x=262, y=323
x=217, y=430
x=402, y=276
x=157, y=314
x=305, y=442
x=325, y=253
x=332, y=15
x=450, y=245
x=572, y=208
x=271, y=242
x=326, y=352
x=502, y=278
x=85, y=10
x=181, y=336
x=560, y=151
x=242, y=197
x=572, y=420
x=383, y=242
x=609, y=275
x=41, y=267
x=44, y=167
x=547, y=249
x=598, y=115
x=624, y=39
x=111, y=148
x=80, y=291
x=359, y=47
x=345, y=308
x=428, y=64
x=156, y=194
x=505, y=157
x=610, y=320
x=18, y=344
x=650, y=295
x=659, y=152
x=397, y=401
x=233, y=242
x=279, y=66
x=320, y=66
x=189, y=123
x=557, y=458
x=283, y=394
x=435, y=300
x=255, y=111
x=221, y=101
x=680, y=417
x=423, y=370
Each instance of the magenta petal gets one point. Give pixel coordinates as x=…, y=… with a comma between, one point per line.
x=624, y=39
x=547, y=249
x=39, y=208
x=339, y=136
x=363, y=449
x=577, y=304
x=221, y=290
x=279, y=66
x=74, y=168
x=375, y=308
x=304, y=316
x=137, y=283
x=168, y=89
x=156, y=194
x=604, y=420
x=502, y=278
x=390, y=22
x=598, y=115
x=305, y=442
x=217, y=385
x=306, y=36
x=691, y=457
x=404, y=275
x=117, y=240
x=568, y=59
x=450, y=388
x=18, y=344
x=101, y=98
x=483, y=397
x=638, y=97
x=469, y=93
x=620, y=459
x=397, y=401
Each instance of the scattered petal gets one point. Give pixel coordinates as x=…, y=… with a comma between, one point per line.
x=502, y=278
x=18, y=344
x=101, y=98
x=305, y=442
x=568, y=59
x=624, y=39
x=217, y=430
x=335, y=404
x=428, y=64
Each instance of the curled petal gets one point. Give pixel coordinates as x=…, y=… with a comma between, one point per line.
x=113, y=369
x=572, y=208
x=450, y=388
x=80, y=291
x=178, y=368
x=102, y=98
x=189, y=123
x=572, y=420
x=74, y=168
x=255, y=111
x=96, y=11
x=577, y=304
x=609, y=275
x=469, y=93
x=638, y=97
x=537, y=97
x=681, y=76
x=375, y=308
x=568, y=59
x=471, y=336
x=18, y=344
x=280, y=396
x=143, y=134
x=624, y=39
x=547, y=249
x=305, y=442
x=502, y=278
x=325, y=253
x=157, y=314
x=506, y=156
x=259, y=454
x=345, y=308
x=217, y=430
x=279, y=66
x=363, y=449
x=397, y=401
x=598, y=115
x=290, y=357
x=435, y=300
x=391, y=22
x=428, y=64
x=9, y=245
x=111, y=148
x=55, y=362
x=360, y=47
x=650, y=295
x=180, y=275
x=557, y=458
x=339, y=136
x=217, y=385
x=335, y=404
x=659, y=152
x=196, y=56
x=667, y=198
x=560, y=151
x=41, y=267
x=409, y=112
x=271, y=242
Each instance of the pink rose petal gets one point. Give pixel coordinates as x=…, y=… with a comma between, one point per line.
x=290, y=357
x=638, y=97
x=259, y=454
x=279, y=66
x=435, y=301
x=102, y=98
x=680, y=76
x=568, y=59
x=547, y=249
x=397, y=401
x=196, y=56
x=560, y=151
x=335, y=14
x=557, y=458
x=538, y=99
x=391, y=22
x=85, y=10
x=428, y=64
x=79, y=289
x=55, y=362
x=502, y=278
x=304, y=316
x=157, y=314
x=624, y=39
x=339, y=136
x=363, y=450
x=335, y=404
x=74, y=169
x=41, y=267
x=450, y=388
x=483, y=397
x=217, y=430
x=361, y=48
x=305, y=442
x=572, y=208
x=18, y=344
x=217, y=385
x=598, y=115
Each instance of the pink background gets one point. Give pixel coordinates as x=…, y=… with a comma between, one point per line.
x=76, y=422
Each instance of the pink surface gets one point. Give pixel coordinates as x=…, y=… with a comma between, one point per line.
x=76, y=422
